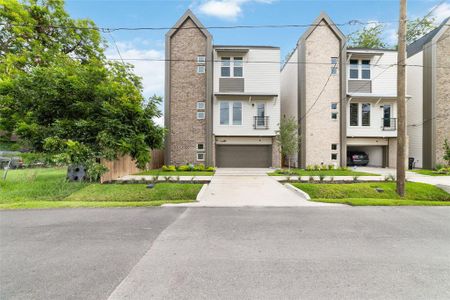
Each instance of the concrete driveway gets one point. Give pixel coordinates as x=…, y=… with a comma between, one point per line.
x=226, y=253
x=248, y=187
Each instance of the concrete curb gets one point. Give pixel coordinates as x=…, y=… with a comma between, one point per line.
x=202, y=191
x=298, y=191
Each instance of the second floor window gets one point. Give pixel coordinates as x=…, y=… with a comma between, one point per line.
x=230, y=112
x=232, y=67
x=360, y=114
x=359, y=69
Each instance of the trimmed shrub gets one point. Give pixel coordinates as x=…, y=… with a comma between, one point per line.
x=184, y=168
x=210, y=169
x=169, y=168
x=199, y=167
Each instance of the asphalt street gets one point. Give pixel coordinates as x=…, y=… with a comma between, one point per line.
x=226, y=253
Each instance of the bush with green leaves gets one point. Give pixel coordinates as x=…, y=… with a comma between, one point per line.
x=199, y=167
x=446, y=148
x=184, y=168
x=170, y=168
x=210, y=169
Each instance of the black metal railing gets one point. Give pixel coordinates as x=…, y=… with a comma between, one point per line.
x=261, y=122
x=389, y=123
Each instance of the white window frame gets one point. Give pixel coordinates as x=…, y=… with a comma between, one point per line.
x=232, y=65
x=200, y=149
x=201, y=69
x=334, y=103
x=359, y=68
x=231, y=112
x=334, y=65
x=202, y=154
x=334, y=154
x=201, y=105
x=332, y=147
x=359, y=125
x=334, y=113
x=201, y=59
x=201, y=115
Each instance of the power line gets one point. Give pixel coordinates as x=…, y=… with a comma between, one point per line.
x=267, y=62
x=111, y=29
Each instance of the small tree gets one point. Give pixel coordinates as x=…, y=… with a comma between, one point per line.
x=368, y=37
x=287, y=138
x=417, y=28
x=447, y=152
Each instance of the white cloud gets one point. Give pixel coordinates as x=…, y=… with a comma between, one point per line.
x=441, y=12
x=226, y=9
x=152, y=72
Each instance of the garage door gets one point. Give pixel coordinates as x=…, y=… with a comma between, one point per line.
x=244, y=156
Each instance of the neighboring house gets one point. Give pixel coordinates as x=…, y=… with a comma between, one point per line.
x=344, y=99
x=222, y=105
x=428, y=82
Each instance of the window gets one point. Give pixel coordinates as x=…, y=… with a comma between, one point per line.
x=334, y=65
x=333, y=146
x=333, y=156
x=200, y=156
x=230, y=115
x=365, y=69
x=359, y=69
x=200, y=115
x=224, y=113
x=365, y=114
x=237, y=67
x=387, y=115
x=200, y=69
x=225, y=68
x=334, y=105
x=354, y=69
x=237, y=113
x=201, y=59
x=334, y=115
x=200, y=147
x=235, y=63
x=354, y=116
x=200, y=105
x=260, y=114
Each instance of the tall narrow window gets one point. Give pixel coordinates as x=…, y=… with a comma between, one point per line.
x=365, y=69
x=354, y=69
x=237, y=67
x=237, y=113
x=334, y=65
x=224, y=113
x=260, y=114
x=365, y=114
x=387, y=115
x=354, y=114
x=225, y=67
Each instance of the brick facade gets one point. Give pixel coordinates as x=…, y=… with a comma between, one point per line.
x=187, y=87
x=442, y=97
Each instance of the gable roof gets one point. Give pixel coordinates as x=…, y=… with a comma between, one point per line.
x=188, y=15
x=417, y=46
x=322, y=17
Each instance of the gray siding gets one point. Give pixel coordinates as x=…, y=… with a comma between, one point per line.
x=230, y=85
x=360, y=86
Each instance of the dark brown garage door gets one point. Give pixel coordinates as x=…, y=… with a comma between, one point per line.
x=243, y=156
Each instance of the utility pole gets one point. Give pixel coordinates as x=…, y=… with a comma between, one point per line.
x=401, y=103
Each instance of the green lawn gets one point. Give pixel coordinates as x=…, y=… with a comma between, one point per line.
x=159, y=172
x=428, y=172
x=337, y=172
x=47, y=188
x=365, y=193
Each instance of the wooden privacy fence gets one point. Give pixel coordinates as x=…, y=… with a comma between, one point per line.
x=126, y=165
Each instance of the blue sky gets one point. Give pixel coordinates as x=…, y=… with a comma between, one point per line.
x=150, y=13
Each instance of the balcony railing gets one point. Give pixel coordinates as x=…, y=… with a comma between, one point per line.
x=388, y=124
x=261, y=122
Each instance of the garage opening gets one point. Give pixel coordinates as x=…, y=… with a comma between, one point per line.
x=244, y=156
x=374, y=156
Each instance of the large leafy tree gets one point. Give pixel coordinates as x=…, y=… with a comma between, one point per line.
x=57, y=90
x=368, y=37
